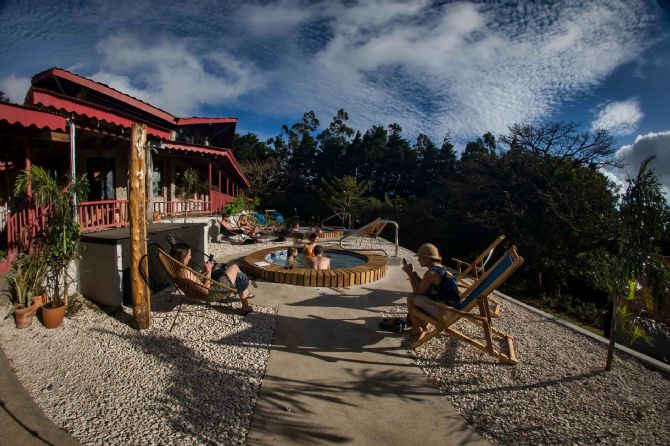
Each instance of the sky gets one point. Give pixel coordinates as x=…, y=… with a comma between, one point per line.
x=437, y=67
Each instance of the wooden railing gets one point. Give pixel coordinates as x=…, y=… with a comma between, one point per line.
x=179, y=208
x=22, y=226
x=218, y=200
x=103, y=214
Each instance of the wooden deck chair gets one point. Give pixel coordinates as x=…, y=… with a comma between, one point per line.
x=191, y=289
x=476, y=268
x=372, y=229
x=477, y=294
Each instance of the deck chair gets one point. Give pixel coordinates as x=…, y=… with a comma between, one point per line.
x=472, y=271
x=234, y=232
x=191, y=289
x=477, y=294
x=173, y=239
x=372, y=229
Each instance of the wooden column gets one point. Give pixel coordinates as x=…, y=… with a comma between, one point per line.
x=138, y=226
x=29, y=189
x=220, y=182
x=149, y=161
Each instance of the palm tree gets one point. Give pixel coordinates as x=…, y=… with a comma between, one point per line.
x=61, y=234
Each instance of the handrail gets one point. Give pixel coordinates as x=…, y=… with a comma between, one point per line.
x=358, y=232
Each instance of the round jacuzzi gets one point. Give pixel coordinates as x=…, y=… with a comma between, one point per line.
x=347, y=268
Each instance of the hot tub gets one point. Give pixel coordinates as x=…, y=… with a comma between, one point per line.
x=347, y=268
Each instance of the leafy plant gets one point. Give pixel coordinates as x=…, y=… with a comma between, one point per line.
x=189, y=185
x=26, y=279
x=60, y=238
x=238, y=205
x=343, y=194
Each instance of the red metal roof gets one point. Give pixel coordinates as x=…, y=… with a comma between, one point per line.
x=30, y=117
x=50, y=99
x=106, y=90
x=226, y=153
x=192, y=121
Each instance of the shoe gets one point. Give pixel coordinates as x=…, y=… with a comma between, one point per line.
x=251, y=296
x=247, y=311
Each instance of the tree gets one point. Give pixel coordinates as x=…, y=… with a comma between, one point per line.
x=61, y=234
x=561, y=141
x=560, y=210
x=645, y=218
x=189, y=185
x=249, y=148
x=264, y=177
x=343, y=194
x=480, y=148
x=3, y=97
x=333, y=143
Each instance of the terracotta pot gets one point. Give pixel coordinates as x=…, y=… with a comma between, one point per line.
x=157, y=216
x=23, y=317
x=38, y=302
x=52, y=316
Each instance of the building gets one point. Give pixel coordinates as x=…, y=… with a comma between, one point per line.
x=66, y=114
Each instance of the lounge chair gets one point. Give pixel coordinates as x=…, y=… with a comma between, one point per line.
x=477, y=294
x=192, y=289
x=477, y=266
x=472, y=271
x=234, y=232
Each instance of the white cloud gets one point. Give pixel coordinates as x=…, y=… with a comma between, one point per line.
x=454, y=68
x=15, y=88
x=172, y=74
x=274, y=18
x=620, y=118
x=633, y=155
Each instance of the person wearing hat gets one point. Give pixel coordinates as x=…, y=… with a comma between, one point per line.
x=436, y=285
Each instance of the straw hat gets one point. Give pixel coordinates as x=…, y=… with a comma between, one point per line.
x=428, y=250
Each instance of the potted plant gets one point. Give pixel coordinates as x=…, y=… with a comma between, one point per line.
x=25, y=283
x=59, y=240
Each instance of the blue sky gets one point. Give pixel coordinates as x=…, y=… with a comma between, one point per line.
x=461, y=68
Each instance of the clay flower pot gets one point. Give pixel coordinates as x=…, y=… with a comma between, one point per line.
x=23, y=317
x=157, y=216
x=38, y=302
x=52, y=315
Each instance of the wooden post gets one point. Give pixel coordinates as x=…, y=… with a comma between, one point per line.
x=149, y=185
x=138, y=226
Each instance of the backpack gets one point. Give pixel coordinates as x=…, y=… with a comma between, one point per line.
x=448, y=292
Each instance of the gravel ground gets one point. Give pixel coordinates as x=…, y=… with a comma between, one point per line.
x=559, y=392
x=198, y=384
x=106, y=383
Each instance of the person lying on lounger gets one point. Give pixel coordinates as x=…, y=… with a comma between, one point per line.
x=229, y=275
x=436, y=285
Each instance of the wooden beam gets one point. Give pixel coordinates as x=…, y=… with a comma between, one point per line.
x=138, y=226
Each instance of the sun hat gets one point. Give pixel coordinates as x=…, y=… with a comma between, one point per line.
x=428, y=250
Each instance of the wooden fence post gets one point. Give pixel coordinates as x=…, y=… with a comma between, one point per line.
x=138, y=226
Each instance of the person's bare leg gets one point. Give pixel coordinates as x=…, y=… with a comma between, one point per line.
x=231, y=272
x=417, y=324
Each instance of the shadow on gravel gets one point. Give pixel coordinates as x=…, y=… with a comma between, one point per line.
x=201, y=400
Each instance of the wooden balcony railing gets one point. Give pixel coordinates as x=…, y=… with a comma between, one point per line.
x=22, y=226
x=103, y=214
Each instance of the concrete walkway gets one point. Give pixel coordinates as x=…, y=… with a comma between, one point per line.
x=333, y=377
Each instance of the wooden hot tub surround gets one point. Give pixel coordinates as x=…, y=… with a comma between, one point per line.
x=373, y=269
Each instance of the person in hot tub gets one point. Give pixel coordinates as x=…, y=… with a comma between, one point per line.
x=319, y=261
x=308, y=249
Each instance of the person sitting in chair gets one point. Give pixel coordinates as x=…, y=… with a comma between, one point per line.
x=230, y=275
x=319, y=261
x=436, y=285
